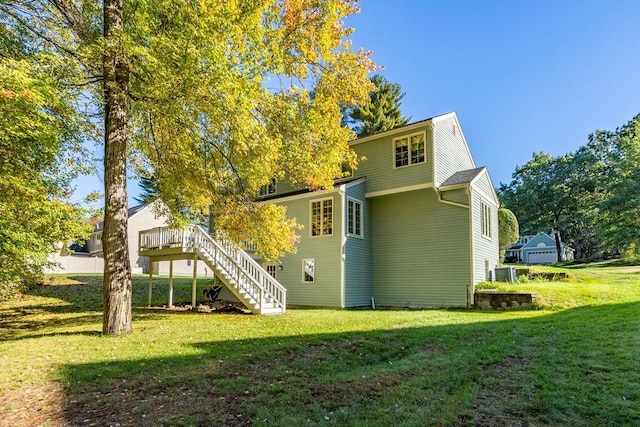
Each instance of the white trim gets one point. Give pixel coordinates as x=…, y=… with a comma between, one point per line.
x=454, y=115
x=408, y=138
x=333, y=216
x=361, y=216
x=399, y=190
x=313, y=265
x=354, y=182
x=314, y=194
x=267, y=187
x=396, y=131
x=486, y=217
x=451, y=202
x=266, y=266
x=494, y=196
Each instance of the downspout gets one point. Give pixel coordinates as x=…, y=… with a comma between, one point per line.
x=343, y=242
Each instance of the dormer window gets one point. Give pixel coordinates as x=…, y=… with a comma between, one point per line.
x=270, y=188
x=410, y=150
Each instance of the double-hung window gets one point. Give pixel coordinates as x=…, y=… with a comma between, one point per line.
x=322, y=217
x=410, y=149
x=486, y=220
x=354, y=218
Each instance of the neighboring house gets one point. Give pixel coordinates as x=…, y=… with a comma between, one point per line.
x=88, y=258
x=416, y=225
x=537, y=249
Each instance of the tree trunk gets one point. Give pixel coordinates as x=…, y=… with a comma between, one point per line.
x=556, y=233
x=117, y=268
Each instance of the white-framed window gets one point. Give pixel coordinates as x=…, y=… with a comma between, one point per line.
x=271, y=268
x=308, y=270
x=322, y=217
x=486, y=220
x=410, y=149
x=270, y=188
x=354, y=217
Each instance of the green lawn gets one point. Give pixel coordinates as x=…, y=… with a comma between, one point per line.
x=574, y=362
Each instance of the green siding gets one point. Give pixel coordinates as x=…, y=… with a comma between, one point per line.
x=357, y=275
x=486, y=251
x=485, y=186
x=379, y=160
x=460, y=195
x=420, y=250
x=451, y=154
x=326, y=251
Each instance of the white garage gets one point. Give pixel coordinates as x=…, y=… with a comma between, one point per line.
x=542, y=257
x=541, y=249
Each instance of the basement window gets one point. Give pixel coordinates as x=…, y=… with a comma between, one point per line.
x=308, y=270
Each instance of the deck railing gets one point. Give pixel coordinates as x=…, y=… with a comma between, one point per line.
x=224, y=256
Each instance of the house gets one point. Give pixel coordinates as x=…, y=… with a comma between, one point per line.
x=415, y=225
x=88, y=258
x=537, y=249
x=541, y=249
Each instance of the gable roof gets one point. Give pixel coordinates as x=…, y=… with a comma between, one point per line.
x=463, y=177
x=545, y=239
x=402, y=128
x=130, y=213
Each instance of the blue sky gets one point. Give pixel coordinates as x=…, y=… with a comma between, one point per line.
x=523, y=76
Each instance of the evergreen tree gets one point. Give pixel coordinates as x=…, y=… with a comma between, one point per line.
x=509, y=230
x=381, y=112
x=148, y=189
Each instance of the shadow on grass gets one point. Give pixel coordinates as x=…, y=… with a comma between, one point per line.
x=577, y=367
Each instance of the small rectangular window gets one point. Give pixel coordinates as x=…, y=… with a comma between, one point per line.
x=486, y=220
x=322, y=217
x=270, y=188
x=410, y=150
x=308, y=270
x=354, y=218
x=271, y=268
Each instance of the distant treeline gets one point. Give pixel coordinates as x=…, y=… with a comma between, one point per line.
x=590, y=197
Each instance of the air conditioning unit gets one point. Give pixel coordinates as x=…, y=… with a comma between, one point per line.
x=505, y=274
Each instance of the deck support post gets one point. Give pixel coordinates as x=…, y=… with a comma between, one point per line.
x=170, y=283
x=150, y=282
x=193, y=283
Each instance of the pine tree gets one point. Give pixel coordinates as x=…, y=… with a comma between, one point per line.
x=148, y=189
x=382, y=112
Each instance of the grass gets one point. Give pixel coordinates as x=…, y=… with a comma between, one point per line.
x=576, y=361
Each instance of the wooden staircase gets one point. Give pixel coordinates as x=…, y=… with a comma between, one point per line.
x=241, y=274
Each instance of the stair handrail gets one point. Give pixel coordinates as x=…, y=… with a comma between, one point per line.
x=254, y=271
x=194, y=238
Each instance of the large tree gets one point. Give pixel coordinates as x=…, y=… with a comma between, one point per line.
x=382, y=110
x=619, y=209
x=215, y=98
x=590, y=194
x=544, y=193
x=39, y=155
